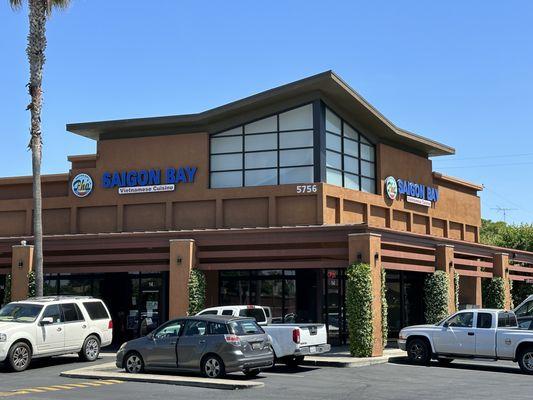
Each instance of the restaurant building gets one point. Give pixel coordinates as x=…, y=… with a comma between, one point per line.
x=271, y=196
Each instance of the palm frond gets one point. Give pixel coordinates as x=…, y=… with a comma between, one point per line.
x=51, y=4
x=15, y=4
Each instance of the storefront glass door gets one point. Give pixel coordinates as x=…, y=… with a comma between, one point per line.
x=334, y=305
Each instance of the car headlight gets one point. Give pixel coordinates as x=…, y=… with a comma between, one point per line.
x=402, y=336
x=3, y=337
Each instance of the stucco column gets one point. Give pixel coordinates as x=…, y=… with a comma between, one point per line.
x=366, y=248
x=500, y=269
x=444, y=262
x=182, y=261
x=21, y=266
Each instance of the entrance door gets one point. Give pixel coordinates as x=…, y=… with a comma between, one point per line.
x=191, y=344
x=164, y=352
x=334, y=305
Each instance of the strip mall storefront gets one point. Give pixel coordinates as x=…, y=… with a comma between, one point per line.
x=272, y=196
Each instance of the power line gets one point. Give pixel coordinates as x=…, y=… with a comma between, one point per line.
x=504, y=211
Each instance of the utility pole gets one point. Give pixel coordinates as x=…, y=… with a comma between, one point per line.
x=504, y=211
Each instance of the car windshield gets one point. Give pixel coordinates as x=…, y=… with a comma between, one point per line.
x=20, y=312
x=245, y=327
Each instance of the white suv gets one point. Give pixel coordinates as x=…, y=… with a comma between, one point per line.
x=51, y=326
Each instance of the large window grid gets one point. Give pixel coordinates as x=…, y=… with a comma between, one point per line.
x=350, y=157
x=269, y=151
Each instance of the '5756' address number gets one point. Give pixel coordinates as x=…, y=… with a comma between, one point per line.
x=300, y=189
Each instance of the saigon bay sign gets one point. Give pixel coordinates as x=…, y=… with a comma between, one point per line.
x=148, y=180
x=414, y=192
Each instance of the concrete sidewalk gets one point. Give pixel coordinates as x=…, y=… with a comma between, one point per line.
x=341, y=358
x=110, y=371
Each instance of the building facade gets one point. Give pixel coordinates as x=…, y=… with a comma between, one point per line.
x=271, y=196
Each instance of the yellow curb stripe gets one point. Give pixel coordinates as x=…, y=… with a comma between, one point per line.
x=62, y=387
x=48, y=388
x=93, y=384
x=113, y=381
x=106, y=383
x=31, y=390
x=76, y=385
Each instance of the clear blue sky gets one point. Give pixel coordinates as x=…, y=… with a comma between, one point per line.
x=460, y=72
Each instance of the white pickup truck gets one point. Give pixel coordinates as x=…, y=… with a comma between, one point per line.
x=475, y=333
x=290, y=342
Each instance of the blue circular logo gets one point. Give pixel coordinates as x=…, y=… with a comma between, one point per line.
x=82, y=185
x=391, y=187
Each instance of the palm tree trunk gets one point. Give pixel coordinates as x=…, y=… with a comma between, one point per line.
x=35, y=53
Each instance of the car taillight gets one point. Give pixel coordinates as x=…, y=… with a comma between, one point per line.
x=232, y=339
x=296, y=335
x=110, y=325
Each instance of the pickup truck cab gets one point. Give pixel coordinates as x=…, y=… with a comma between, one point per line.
x=290, y=342
x=476, y=333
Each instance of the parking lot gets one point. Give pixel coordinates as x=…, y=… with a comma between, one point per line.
x=394, y=380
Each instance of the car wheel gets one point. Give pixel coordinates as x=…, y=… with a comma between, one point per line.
x=293, y=362
x=445, y=361
x=418, y=351
x=19, y=356
x=91, y=349
x=251, y=373
x=525, y=360
x=133, y=363
x=213, y=367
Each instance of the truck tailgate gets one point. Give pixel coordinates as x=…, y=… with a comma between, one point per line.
x=313, y=334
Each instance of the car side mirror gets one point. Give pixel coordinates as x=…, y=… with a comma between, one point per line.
x=47, y=321
x=445, y=325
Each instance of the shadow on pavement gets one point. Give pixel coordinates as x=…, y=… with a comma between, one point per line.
x=458, y=365
x=48, y=362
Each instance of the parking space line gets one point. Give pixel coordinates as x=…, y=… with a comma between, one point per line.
x=55, y=388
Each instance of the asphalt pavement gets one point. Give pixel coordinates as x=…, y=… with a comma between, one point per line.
x=395, y=380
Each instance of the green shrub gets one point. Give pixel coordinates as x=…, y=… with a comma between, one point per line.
x=359, y=309
x=32, y=289
x=384, y=308
x=197, y=288
x=493, y=291
x=436, y=289
x=7, y=290
x=520, y=291
x=456, y=288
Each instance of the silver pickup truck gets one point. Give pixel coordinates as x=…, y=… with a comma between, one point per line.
x=477, y=333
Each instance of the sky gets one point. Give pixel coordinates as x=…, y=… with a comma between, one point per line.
x=459, y=72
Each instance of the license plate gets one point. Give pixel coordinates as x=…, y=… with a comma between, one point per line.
x=312, y=349
x=256, y=346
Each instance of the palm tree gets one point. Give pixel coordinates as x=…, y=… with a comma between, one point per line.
x=39, y=11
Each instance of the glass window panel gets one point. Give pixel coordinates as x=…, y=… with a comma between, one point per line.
x=296, y=175
x=363, y=139
x=261, y=142
x=234, y=131
x=367, y=152
x=295, y=157
x=333, y=123
x=333, y=142
x=333, y=177
x=351, y=164
x=350, y=132
x=333, y=160
x=351, y=147
x=368, y=185
x=367, y=169
x=263, y=159
x=226, y=179
x=269, y=124
x=223, y=162
x=226, y=144
x=351, y=181
x=299, y=118
x=261, y=177
x=295, y=139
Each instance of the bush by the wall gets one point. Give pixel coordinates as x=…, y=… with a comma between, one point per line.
x=493, y=291
x=520, y=291
x=359, y=309
x=197, y=289
x=7, y=291
x=456, y=288
x=384, y=308
x=436, y=289
x=32, y=288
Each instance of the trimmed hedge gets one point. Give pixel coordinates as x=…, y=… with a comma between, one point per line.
x=359, y=309
x=436, y=289
x=493, y=292
x=197, y=288
x=384, y=308
x=456, y=292
x=7, y=290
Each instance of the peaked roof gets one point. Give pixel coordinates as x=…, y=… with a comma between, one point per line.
x=327, y=85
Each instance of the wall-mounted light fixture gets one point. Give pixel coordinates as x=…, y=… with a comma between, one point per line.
x=376, y=257
x=23, y=243
x=451, y=264
x=178, y=260
x=20, y=264
x=359, y=257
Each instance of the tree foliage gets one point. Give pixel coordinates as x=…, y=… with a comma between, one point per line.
x=519, y=237
x=359, y=309
x=197, y=289
x=436, y=289
x=384, y=308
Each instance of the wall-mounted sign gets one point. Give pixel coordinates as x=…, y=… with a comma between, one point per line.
x=414, y=192
x=148, y=181
x=82, y=185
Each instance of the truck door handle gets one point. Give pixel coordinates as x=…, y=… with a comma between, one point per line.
x=59, y=329
x=201, y=341
x=84, y=326
x=471, y=334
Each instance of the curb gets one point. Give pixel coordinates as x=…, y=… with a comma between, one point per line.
x=108, y=371
x=350, y=362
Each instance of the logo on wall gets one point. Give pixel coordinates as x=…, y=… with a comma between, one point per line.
x=391, y=187
x=82, y=185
